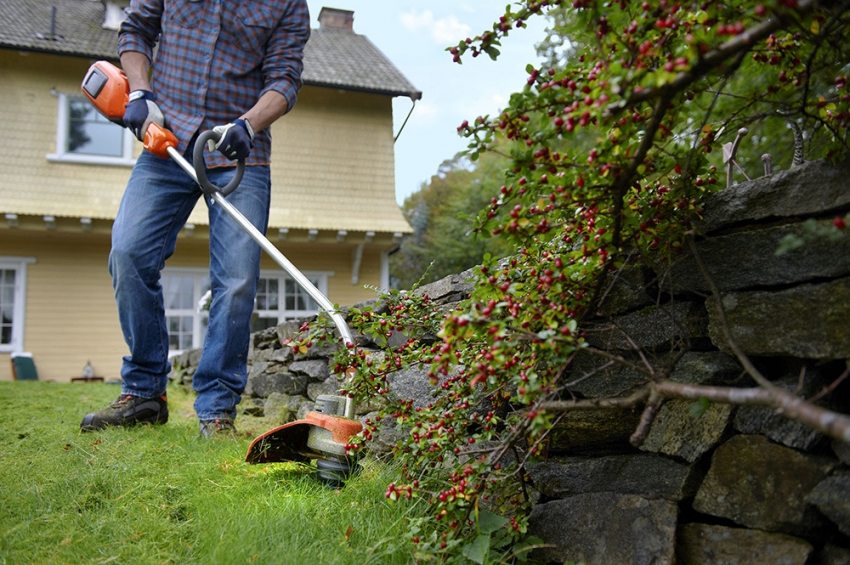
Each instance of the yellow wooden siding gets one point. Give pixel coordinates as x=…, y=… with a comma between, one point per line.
x=333, y=160
x=333, y=163
x=30, y=183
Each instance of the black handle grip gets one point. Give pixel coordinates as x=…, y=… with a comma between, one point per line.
x=201, y=166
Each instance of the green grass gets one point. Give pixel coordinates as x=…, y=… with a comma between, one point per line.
x=162, y=495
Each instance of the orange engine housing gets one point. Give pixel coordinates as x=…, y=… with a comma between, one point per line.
x=107, y=88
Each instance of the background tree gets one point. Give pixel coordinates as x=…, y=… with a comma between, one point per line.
x=442, y=214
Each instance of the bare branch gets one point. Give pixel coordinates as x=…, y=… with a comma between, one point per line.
x=636, y=398
x=820, y=419
x=650, y=411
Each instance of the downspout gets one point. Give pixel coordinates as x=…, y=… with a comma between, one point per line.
x=401, y=129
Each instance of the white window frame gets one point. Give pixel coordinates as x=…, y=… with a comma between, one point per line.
x=319, y=278
x=198, y=316
x=63, y=156
x=280, y=314
x=19, y=265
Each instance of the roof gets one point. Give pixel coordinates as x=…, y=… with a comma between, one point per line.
x=343, y=59
x=333, y=57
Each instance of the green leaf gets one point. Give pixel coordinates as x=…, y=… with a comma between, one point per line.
x=698, y=407
x=489, y=522
x=478, y=549
x=789, y=243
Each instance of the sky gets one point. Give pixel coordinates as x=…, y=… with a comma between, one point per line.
x=413, y=35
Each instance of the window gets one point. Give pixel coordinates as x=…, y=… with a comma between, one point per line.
x=84, y=136
x=13, y=276
x=279, y=299
x=186, y=322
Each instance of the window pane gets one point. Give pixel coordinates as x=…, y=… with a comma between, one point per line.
x=179, y=332
x=267, y=294
x=7, y=305
x=179, y=292
x=297, y=298
x=89, y=133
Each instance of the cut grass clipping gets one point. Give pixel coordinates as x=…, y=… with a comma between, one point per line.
x=163, y=495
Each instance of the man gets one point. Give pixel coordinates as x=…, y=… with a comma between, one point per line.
x=235, y=67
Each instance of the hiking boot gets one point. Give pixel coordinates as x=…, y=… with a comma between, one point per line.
x=128, y=411
x=217, y=427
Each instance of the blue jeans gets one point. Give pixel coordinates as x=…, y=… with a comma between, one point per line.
x=158, y=200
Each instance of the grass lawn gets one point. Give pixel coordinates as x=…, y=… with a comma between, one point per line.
x=163, y=495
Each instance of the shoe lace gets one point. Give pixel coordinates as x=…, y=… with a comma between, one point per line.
x=221, y=424
x=122, y=400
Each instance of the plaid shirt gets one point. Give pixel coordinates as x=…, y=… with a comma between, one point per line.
x=216, y=58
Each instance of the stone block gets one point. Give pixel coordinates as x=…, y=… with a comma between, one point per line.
x=759, y=484
x=681, y=431
x=706, y=368
x=604, y=528
x=768, y=422
x=452, y=288
x=316, y=389
x=807, y=321
x=641, y=474
x=650, y=327
x=594, y=430
x=265, y=380
x=748, y=259
x=314, y=369
x=810, y=189
x=281, y=407
x=698, y=544
x=593, y=376
x=833, y=555
x=412, y=383
x=841, y=450
x=627, y=291
x=832, y=497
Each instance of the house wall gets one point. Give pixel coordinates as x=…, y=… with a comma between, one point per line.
x=334, y=163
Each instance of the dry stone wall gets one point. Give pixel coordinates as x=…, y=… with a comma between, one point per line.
x=711, y=483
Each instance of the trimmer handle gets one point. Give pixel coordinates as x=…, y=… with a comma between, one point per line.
x=158, y=139
x=201, y=166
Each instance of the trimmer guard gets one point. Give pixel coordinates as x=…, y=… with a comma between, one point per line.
x=289, y=441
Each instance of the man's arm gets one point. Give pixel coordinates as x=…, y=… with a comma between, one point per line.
x=268, y=108
x=283, y=64
x=137, y=68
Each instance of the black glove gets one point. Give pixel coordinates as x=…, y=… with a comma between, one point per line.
x=141, y=110
x=236, y=141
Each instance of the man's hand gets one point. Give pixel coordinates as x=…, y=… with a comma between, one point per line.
x=141, y=111
x=236, y=141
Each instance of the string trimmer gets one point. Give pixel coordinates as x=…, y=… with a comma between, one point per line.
x=323, y=433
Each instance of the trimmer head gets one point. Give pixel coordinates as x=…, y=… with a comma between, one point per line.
x=320, y=435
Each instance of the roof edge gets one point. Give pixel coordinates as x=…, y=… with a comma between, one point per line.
x=413, y=94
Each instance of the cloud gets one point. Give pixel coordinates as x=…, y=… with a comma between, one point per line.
x=444, y=31
x=485, y=103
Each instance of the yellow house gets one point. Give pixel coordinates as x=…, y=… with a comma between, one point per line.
x=63, y=169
